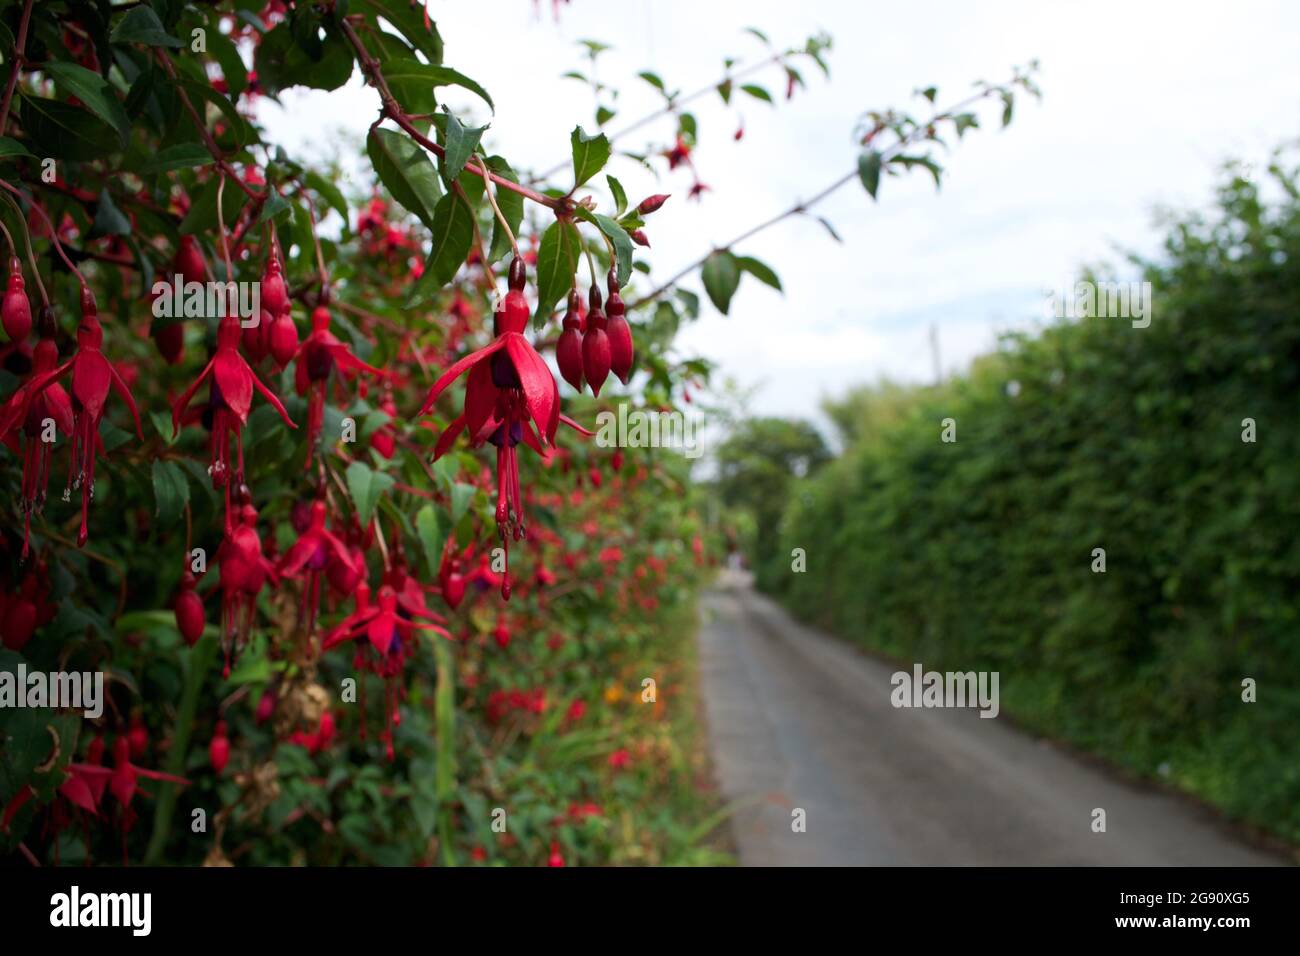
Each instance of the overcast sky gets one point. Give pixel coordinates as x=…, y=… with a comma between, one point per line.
x=1142, y=102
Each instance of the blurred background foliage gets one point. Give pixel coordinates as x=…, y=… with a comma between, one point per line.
x=978, y=554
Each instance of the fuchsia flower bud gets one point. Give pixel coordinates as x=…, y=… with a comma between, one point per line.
x=281, y=337
x=652, y=203
x=595, y=344
x=275, y=295
x=568, y=351
x=16, y=311
x=619, y=333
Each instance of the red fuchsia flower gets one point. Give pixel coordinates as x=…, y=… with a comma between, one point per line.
x=450, y=577
x=596, y=355
x=125, y=780
x=265, y=706
x=230, y=398
x=317, y=740
x=501, y=633
x=318, y=355
x=510, y=390
x=92, y=377
x=618, y=332
x=556, y=858
x=388, y=629
x=190, y=618
x=576, y=710
x=620, y=759
x=243, y=572
x=384, y=438
x=51, y=404
x=697, y=190
x=311, y=555
x=219, y=748
x=679, y=154
x=138, y=737
x=568, y=350
x=16, y=310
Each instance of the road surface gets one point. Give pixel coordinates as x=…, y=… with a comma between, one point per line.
x=798, y=720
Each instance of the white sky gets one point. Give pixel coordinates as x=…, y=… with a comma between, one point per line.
x=1142, y=101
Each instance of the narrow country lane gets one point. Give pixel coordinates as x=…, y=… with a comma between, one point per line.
x=798, y=719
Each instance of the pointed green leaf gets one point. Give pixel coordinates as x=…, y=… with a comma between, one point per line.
x=512, y=208
x=557, y=260
x=406, y=171
x=453, y=235
x=721, y=275
x=94, y=92
x=760, y=271
x=461, y=143
x=869, y=171
x=620, y=197
x=141, y=25
x=590, y=154
x=366, y=485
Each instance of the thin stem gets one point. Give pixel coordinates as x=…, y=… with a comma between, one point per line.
x=487, y=188
x=204, y=134
x=54, y=233
x=673, y=105
x=27, y=241
x=320, y=258
x=393, y=110
x=221, y=227
x=803, y=205
x=20, y=58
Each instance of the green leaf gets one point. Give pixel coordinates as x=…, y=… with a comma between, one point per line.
x=557, y=260
x=171, y=491
x=590, y=154
x=94, y=92
x=141, y=25
x=622, y=245
x=202, y=216
x=512, y=208
x=274, y=207
x=826, y=223
x=64, y=131
x=760, y=271
x=461, y=495
x=179, y=156
x=721, y=275
x=924, y=161
x=412, y=72
x=433, y=528
x=869, y=171
x=724, y=90
x=366, y=485
x=453, y=234
x=109, y=220
x=1008, y=106
x=11, y=147
x=620, y=197
x=965, y=121
x=757, y=92
x=461, y=143
x=653, y=79
x=409, y=21
x=406, y=171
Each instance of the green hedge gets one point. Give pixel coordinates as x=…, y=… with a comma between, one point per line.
x=978, y=553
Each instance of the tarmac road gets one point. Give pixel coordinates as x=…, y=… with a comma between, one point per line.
x=801, y=720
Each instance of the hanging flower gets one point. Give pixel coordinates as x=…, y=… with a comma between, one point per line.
x=230, y=397
x=510, y=397
x=92, y=377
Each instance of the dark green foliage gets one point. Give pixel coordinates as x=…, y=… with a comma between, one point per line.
x=1095, y=434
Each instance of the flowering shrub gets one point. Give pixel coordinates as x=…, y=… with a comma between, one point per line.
x=344, y=610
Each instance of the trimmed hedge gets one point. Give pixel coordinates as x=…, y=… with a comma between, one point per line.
x=978, y=554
